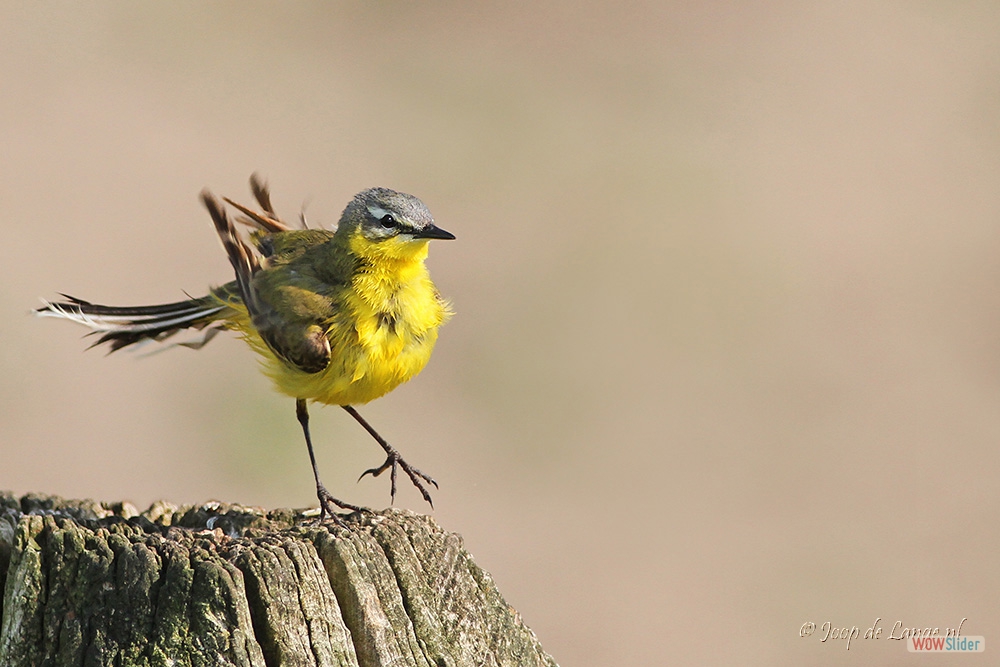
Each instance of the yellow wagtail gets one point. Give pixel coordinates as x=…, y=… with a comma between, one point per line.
x=340, y=317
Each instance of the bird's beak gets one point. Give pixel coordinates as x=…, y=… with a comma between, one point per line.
x=433, y=232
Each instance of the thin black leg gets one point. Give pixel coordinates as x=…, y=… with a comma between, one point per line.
x=393, y=460
x=326, y=501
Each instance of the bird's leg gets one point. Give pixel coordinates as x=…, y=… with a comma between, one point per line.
x=326, y=501
x=393, y=460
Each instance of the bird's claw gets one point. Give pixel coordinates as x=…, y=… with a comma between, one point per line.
x=394, y=461
x=328, y=506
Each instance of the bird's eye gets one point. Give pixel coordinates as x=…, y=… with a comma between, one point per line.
x=387, y=221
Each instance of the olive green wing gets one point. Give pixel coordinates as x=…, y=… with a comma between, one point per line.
x=285, y=303
x=284, y=247
x=293, y=308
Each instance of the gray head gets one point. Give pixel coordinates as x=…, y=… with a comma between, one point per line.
x=381, y=214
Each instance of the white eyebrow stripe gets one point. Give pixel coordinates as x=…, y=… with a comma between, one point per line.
x=378, y=212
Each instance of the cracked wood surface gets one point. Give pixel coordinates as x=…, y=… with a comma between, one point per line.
x=86, y=583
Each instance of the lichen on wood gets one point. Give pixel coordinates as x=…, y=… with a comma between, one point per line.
x=86, y=583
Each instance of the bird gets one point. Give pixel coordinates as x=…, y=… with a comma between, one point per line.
x=339, y=317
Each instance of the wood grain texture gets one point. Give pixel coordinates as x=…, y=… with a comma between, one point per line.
x=87, y=583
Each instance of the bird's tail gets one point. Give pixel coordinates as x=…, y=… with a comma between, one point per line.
x=121, y=327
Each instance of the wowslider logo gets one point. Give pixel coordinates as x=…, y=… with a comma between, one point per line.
x=946, y=644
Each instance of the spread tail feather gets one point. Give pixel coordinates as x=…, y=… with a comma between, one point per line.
x=124, y=326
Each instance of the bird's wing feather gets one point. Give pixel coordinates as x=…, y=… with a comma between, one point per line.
x=278, y=307
x=267, y=221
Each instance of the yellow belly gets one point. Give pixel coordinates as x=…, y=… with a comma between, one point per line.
x=375, y=345
x=358, y=372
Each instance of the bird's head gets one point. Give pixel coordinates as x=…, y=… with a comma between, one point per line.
x=383, y=223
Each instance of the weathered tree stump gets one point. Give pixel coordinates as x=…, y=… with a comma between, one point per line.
x=88, y=583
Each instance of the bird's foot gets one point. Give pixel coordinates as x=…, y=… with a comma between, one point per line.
x=394, y=461
x=328, y=506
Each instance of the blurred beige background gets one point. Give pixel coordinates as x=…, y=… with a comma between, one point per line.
x=726, y=356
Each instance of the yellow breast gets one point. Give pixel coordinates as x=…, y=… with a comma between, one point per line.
x=382, y=332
